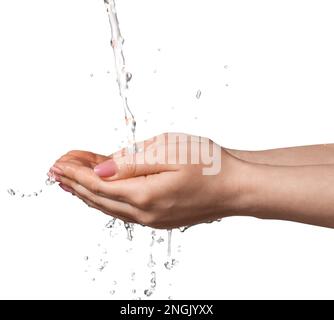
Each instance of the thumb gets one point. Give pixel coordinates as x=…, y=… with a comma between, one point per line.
x=129, y=166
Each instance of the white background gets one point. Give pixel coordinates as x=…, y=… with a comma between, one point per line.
x=280, y=79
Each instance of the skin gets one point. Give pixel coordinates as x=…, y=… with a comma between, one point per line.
x=295, y=184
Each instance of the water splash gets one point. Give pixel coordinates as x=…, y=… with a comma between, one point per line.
x=51, y=180
x=122, y=75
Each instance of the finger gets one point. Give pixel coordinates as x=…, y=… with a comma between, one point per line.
x=107, y=212
x=122, y=209
x=87, y=157
x=133, y=165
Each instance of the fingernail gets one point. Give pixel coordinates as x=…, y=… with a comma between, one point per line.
x=66, y=188
x=106, y=169
x=57, y=171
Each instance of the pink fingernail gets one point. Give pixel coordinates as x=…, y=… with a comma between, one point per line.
x=66, y=188
x=57, y=171
x=106, y=169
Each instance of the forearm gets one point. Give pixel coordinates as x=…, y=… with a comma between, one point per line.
x=297, y=156
x=303, y=194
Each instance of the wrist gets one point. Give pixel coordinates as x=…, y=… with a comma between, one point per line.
x=237, y=190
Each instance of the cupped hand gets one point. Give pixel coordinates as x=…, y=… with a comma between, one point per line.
x=173, y=180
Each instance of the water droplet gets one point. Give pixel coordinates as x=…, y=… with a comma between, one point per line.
x=128, y=76
x=11, y=192
x=103, y=266
x=226, y=66
x=153, y=235
x=151, y=262
x=184, y=229
x=134, y=291
x=129, y=230
x=169, y=265
x=160, y=240
x=93, y=279
x=114, y=283
x=23, y=195
x=111, y=223
x=198, y=94
x=133, y=276
x=35, y=194
x=92, y=75
x=153, y=280
x=29, y=195
x=170, y=298
x=51, y=180
x=159, y=49
x=86, y=258
x=195, y=118
x=112, y=292
x=108, y=71
x=155, y=71
x=148, y=292
x=226, y=85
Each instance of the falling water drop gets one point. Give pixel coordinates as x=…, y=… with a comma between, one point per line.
x=153, y=280
x=170, y=264
x=111, y=223
x=103, y=266
x=128, y=76
x=198, y=94
x=11, y=192
x=151, y=262
x=169, y=248
x=148, y=292
x=153, y=235
x=133, y=276
x=129, y=230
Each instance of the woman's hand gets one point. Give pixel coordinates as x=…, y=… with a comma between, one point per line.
x=173, y=180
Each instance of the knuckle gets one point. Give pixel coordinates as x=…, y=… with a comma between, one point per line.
x=129, y=169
